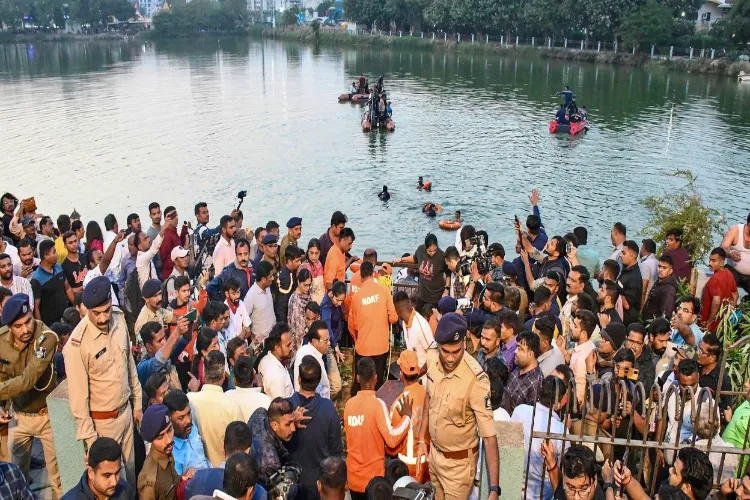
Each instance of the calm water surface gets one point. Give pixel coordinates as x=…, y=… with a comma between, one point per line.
x=106, y=127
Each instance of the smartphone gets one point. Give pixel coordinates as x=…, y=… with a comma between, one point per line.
x=191, y=316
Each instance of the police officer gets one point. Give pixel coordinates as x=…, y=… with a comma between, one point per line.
x=27, y=376
x=158, y=479
x=104, y=382
x=458, y=412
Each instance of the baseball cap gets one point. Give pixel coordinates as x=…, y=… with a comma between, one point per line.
x=408, y=363
x=686, y=351
x=178, y=252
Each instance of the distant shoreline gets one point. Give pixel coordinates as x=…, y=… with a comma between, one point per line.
x=719, y=66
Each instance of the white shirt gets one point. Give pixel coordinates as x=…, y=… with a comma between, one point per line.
x=19, y=284
x=223, y=254
x=534, y=461
x=418, y=336
x=259, y=306
x=649, y=270
x=12, y=252
x=212, y=412
x=95, y=273
x=276, y=381
x=144, y=265
x=113, y=272
x=238, y=319
x=617, y=254
x=550, y=360
x=324, y=387
x=578, y=365
x=248, y=399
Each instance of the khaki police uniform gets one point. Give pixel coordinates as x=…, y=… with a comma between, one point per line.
x=27, y=376
x=158, y=479
x=460, y=413
x=103, y=383
x=161, y=316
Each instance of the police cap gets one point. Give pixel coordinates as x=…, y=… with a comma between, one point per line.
x=97, y=292
x=294, y=222
x=15, y=307
x=155, y=420
x=151, y=288
x=451, y=329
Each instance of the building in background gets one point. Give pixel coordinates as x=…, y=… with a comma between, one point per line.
x=710, y=12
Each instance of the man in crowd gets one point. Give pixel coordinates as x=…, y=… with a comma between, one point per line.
x=28, y=263
x=316, y=345
x=16, y=284
x=607, y=297
x=269, y=253
x=679, y=255
x=692, y=474
x=337, y=262
x=491, y=341
x=272, y=430
x=161, y=349
x=550, y=356
x=583, y=326
x=430, y=261
x=239, y=319
x=224, y=252
x=369, y=431
x=51, y=289
x=27, y=349
x=587, y=256
x=278, y=350
x=287, y=282
x=736, y=247
x=240, y=270
x=294, y=233
x=148, y=249
x=320, y=437
x=244, y=394
x=370, y=318
x=660, y=346
x=578, y=277
x=526, y=378
x=154, y=213
x=618, y=235
x=72, y=265
x=111, y=229
x=661, y=300
x=237, y=440
x=649, y=267
x=332, y=483
x=256, y=244
x=549, y=260
x=213, y=410
x=644, y=363
x=630, y=282
x=188, y=451
x=259, y=303
x=331, y=236
x=453, y=448
x=101, y=479
x=417, y=332
x=179, y=259
x=158, y=478
x=685, y=329
x=710, y=352
x=720, y=289
x=97, y=356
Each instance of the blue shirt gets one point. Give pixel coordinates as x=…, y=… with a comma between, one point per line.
x=190, y=453
x=332, y=316
x=561, y=117
x=148, y=366
x=678, y=340
x=205, y=481
x=567, y=95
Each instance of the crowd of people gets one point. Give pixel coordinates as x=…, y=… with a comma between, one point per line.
x=192, y=377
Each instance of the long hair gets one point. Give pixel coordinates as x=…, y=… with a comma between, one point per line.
x=93, y=232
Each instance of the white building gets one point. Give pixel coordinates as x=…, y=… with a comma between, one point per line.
x=711, y=11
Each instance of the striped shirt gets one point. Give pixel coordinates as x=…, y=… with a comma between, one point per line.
x=21, y=285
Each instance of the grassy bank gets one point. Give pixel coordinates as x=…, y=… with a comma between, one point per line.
x=721, y=66
x=6, y=37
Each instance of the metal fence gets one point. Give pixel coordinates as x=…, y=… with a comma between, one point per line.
x=667, y=52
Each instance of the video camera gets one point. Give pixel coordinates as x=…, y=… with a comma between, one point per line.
x=481, y=257
x=241, y=195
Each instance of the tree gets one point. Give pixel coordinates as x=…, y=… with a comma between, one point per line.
x=323, y=7
x=605, y=16
x=738, y=24
x=650, y=24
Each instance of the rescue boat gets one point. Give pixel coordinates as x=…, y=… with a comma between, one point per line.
x=356, y=98
x=573, y=128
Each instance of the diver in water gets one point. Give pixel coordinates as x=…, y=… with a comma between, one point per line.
x=431, y=209
x=384, y=194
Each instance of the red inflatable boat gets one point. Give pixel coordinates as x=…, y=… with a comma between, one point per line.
x=356, y=98
x=573, y=128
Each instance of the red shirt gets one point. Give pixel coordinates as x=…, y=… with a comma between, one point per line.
x=171, y=240
x=721, y=285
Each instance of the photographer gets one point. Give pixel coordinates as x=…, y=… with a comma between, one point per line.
x=536, y=272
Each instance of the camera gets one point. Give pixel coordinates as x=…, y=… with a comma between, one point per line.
x=241, y=195
x=481, y=258
x=628, y=373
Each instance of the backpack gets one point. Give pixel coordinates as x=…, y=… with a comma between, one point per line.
x=132, y=300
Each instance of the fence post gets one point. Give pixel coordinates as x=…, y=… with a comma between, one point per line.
x=532, y=41
x=501, y=42
x=581, y=44
x=390, y=33
x=421, y=34
x=472, y=38
x=566, y=43
x=691, y=52
x=459, y=37
x=549, y=43
x=713, y=52
x=516, y=40
x=671, y=51
x=633, y=50
x=433, y=35
x=703, y=53
x=399, y=34
x=411, y=34
x=599, y=46
x=615, y=46
x=652, y=52
x=487, y=38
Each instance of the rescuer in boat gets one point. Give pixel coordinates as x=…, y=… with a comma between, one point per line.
x=353, y=90
x=573, y=111
x=584, y=113
x=380, y=84
x=362, y=83
x=562, y=118
x=567, y=95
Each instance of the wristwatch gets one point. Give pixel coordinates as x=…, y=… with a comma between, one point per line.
x=496, y=489
x=607, y=486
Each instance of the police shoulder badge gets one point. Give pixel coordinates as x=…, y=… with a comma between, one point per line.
x=487, y=402
x=40, y=352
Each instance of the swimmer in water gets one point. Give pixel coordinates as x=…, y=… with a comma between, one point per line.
x=384, y=194
x=424, y=186
x=431, y=209
x=457, y=217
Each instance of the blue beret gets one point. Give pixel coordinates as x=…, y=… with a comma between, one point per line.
x=476, y=318
x=151, y=288
x=447, y=305
x=509, y=269
x=294, y=222
x=15, y=307
x=155, y=420
x=451, y=328
x=97, y=292
x=269, y=238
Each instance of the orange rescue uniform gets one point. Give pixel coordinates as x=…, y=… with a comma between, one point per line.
x=335, y=268
x=407, y=450
x=368, y=432
x=370, y=318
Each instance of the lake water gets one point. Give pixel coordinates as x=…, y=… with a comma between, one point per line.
x=111, y=126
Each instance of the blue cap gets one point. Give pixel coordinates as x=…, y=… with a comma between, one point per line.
x=97, y=292
x=26, y=221
x=447, y=305
x=155, y=420
x=294, y=222
x=451, y=328
x=509, y=269
x=15, y=307
x=151, y=288
x=476, y=318
x=269, y=238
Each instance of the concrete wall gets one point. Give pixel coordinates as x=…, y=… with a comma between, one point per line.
x=69, y=451
x=510, y=445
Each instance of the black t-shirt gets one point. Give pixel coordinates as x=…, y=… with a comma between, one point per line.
x=431, y=274
x=75, y=272
x=613, y=316
x=631, y=286
x=49, y=289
